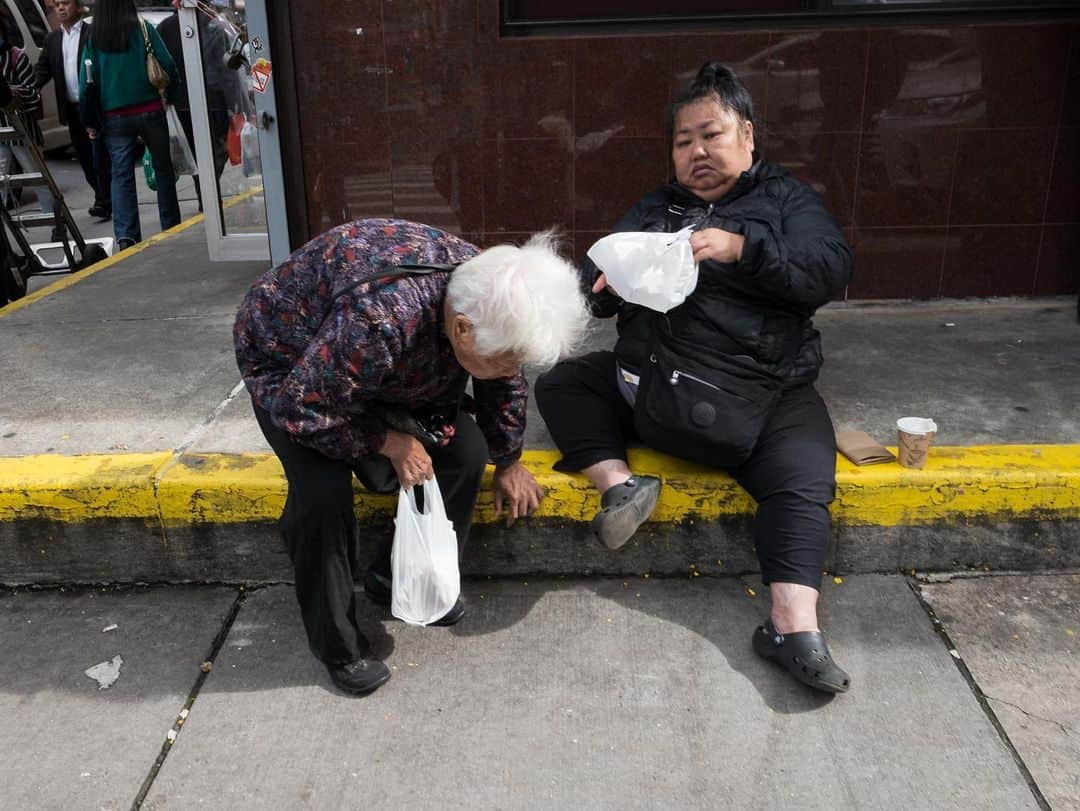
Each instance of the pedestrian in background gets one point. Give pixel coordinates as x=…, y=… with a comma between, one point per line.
x=115, y=60
x=59, y=62
x=17, y=71
x=224, y=87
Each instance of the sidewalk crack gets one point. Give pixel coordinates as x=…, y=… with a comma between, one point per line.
x=980, y=697
x=1058, y=724
x=185, y=710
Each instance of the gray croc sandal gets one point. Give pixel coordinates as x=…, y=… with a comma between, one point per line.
x=624, y=508
x=804, y=654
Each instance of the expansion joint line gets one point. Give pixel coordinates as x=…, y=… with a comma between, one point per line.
x=204, y=671
x=980, y=696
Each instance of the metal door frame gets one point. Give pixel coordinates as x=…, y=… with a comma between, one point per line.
x=274, y=244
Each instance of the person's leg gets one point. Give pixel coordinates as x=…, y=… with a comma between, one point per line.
x=792, y=476
x=84, y=150
x=103, y=171
x=590, y=422
x=319, y=528
x=123, y=148
x=154, y=129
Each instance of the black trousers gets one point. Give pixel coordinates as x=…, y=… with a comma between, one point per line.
x=320, y=530
x=93, y=157
x=791, y=473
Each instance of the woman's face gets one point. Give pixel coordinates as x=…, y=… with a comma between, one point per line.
x=712, y=147
x=482, y=367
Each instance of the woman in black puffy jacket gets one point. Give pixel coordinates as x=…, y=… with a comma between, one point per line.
x=726, y=378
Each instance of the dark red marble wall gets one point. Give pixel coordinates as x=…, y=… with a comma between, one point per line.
x=948, y=154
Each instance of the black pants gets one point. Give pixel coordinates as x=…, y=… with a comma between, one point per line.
x=320, y=529
x=791, y=473
x=93, y=157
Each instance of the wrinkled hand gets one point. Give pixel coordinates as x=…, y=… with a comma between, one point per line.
x=601, y=283
x=409, y=458
x=516, y=485
x=716, y=244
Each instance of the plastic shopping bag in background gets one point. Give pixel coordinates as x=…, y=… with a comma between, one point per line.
x=424, y=559
x=183, y=159
x=148, y=170
x=251, y=160
x=232, y=143
x=654, y=270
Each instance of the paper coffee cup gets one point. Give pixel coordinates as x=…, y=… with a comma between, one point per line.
x=915, y=435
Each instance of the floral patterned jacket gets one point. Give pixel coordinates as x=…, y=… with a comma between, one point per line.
x=322, y=366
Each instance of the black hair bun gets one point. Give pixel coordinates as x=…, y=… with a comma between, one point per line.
x=714, y=73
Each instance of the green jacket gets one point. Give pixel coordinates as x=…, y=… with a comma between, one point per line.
x=121, y=76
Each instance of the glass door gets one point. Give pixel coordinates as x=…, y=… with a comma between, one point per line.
x=229, y=74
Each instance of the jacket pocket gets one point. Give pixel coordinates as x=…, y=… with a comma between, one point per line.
x=708, y=410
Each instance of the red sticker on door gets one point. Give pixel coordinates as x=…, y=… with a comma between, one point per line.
x=260, y=74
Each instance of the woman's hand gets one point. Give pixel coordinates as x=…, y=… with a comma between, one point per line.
x=517, y=486
x=409, y=458
x=716, y=244
x=601, y=284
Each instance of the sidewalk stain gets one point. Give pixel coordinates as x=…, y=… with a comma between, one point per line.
x=990, y=482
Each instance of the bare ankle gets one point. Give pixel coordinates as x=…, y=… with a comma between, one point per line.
x=608, y=473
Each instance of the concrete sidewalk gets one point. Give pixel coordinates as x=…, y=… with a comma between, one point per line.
x=639, y=693
x=123, y=412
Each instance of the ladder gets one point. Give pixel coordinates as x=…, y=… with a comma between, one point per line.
x=78, y=252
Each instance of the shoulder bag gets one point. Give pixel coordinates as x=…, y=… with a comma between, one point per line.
x=155, y=73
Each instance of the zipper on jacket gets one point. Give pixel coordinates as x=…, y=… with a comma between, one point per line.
x=677, y=374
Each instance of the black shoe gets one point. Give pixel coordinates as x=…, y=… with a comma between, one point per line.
x=100, y=211
x=360, y=677
x=624, y=508
x=804, y=655
x=378, y=588
x=124, y=244
x=58, y=234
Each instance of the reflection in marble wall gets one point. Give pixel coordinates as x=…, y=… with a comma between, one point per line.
x=947, y=153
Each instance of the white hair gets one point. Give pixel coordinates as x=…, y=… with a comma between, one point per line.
x=527, y=300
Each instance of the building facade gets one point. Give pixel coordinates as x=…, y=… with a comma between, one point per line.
x=946, y=147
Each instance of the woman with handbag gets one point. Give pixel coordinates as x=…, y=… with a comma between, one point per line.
x=357, y=357
x=130, y=69
x=726, y=378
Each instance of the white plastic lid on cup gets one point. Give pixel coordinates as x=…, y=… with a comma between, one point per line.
x=917, y=426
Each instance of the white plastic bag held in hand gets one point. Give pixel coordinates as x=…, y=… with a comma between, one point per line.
x=424, y=559
x=183, y=159
x=654, y=270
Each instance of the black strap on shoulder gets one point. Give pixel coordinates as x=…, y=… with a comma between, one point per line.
x=675, y=214
x=396, y=272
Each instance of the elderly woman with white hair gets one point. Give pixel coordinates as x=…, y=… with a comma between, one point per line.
x=356, y=352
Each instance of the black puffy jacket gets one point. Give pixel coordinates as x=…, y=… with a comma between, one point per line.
x=794, y=260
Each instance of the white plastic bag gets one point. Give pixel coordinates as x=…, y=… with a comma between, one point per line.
x=250, y=157
x=654, y=270
x=424, y=559
x=183, y=159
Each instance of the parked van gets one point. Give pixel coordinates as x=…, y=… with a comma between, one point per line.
x=33, y=25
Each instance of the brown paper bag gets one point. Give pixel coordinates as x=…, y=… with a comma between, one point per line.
x=861, y=449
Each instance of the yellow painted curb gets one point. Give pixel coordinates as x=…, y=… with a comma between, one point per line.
x=1001, y=482
x=79, y=488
